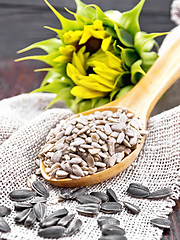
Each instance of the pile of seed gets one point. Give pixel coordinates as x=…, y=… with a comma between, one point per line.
x=84, y=145
x=31, y=206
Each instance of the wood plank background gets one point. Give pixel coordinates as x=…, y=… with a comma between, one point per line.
x=22, y=22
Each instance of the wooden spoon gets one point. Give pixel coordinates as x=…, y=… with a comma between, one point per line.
x=140, y=100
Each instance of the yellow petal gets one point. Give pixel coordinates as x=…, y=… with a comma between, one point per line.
x=77, y=63
x=83, y=92
x=102, y=80
x=97, y=24
x=72, y=37
x=71, y=70
x=99, y=34
x=63, y=58
x=105, y=43
x=91, y=84
x=107, y=73
x=113, y=62
x=85, y=37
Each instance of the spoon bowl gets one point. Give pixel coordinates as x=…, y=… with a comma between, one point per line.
x=140, y=101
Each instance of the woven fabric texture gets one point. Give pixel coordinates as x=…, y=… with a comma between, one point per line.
x=23, y=129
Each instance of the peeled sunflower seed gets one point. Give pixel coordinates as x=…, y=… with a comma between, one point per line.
x=73, y=227
x=161, y=222
x=104, y=197
x=162, y=193
x=40, y=210
x=112, y=195
x=21, y=195
x=113, y=237
x=4, y=211
x=51, y=232
x=20, y=217
x=138, y=190
x=107, y=220
x=89, y=209
x=31, y=218
x=133, y=208
x=65, y=221
x=4, y=227
x=109, y=229
x=88, y=199
x=111, y=207
x=59, y=213
x=22, y=206
x=40, y=189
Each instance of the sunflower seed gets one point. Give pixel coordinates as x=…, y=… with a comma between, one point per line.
x=40, y=189
x=59, y=213
x=111, y=207
x=20, y=217
x=78, y=192
x=138, y=190
x=51, y=232
x=40, y=210
x=73, y=227
x=38, y=200
x=21, y=195
x=113, y=237
x=22, y=206
x=112, y=195
x=133, y=208
x=104, y=197
x=65, y=221
x=4, y=211
x=89, y=209
x=109, y=229
x=31, y=218
x=88, y=199
x=48, y=222
x=161, y=222
x=162, y=193
x=4, y=226
x=107, y=220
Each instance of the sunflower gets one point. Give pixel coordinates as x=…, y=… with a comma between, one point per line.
x=96, y=58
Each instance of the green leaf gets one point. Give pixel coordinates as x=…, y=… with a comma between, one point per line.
x=124, y=90
x=129, y=56
x=49, y=45
x=113, y=93
x=137, y=72
x=101, y=102
x=67, y=24
x=124, y=79
x=49, y=59
x=85, y=105
x=102, y=16
x=114, y=15
x=130, y=19
x=144, y=42
x=63, y=94
x=53, y=87
x=126, y=38
x=60, y=33
x=85, y=11
x=148, y=60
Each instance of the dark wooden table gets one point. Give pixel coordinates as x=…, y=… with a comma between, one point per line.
x=18, y=78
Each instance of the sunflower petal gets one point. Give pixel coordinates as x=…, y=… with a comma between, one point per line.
x=85, y=93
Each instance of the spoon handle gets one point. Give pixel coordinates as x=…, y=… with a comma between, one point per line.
x=143, y=97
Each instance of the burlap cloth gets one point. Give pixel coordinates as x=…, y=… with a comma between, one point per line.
x=23, y=129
